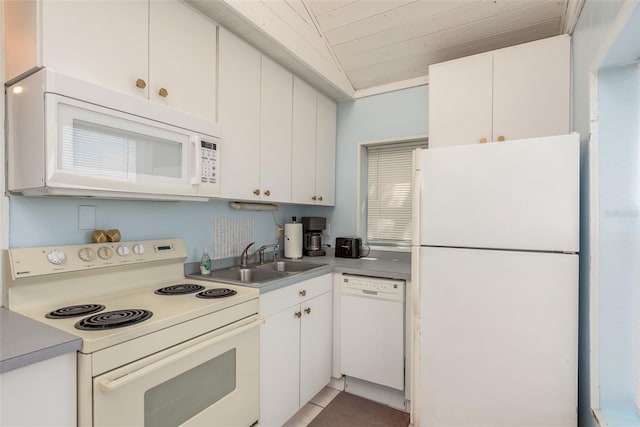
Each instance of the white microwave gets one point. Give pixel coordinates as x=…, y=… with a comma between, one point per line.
x=69, y=137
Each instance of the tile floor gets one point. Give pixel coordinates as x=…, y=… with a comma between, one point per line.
x=309, y=411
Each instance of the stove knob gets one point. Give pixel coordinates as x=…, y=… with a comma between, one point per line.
x=123, y=250
x=105, y=252
x=56, y=257
x=138, y=249
x=87, y=254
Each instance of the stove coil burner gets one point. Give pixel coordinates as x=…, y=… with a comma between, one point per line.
x=182, y=289
x=74, y=311
x=216, y=293
x=113, y=319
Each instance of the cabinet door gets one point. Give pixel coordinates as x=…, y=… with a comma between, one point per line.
x=182, y=58
x=279, y=367
x=303, y=163
x=275, y=132
x=326, y=151
x=315, y=346
x=460, y=99
x=239, y=117
x=99, y=41
x=532, y=89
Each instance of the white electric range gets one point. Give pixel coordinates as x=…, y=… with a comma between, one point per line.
x=158, y=349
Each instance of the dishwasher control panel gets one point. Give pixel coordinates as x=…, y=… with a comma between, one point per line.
x=376, y=287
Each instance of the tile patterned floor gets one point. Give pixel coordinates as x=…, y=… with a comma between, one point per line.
x=309, y=411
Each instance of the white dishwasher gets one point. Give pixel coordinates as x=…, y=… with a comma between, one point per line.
x=372, y=329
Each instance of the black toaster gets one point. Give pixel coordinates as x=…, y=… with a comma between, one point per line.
x=348, y=247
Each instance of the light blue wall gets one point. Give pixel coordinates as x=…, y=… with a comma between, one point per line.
x=39, y=221
x=594, y=22
x=402, y=113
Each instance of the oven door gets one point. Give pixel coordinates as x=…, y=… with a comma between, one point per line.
x=212, y=382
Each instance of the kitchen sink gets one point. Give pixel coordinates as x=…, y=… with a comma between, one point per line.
x=262, y=273
x=288, y=266
x=246, y=275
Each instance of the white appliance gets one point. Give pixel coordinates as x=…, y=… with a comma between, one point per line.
x=496, y=259
x=157, y=349
x=72, y=138
x=372, y=314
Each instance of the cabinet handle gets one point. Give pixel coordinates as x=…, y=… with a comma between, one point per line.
x=298, y=314
x=141, y=83
x=256, y=192
x=501, y=138
x=483, y=140
x=314, y=198
x=267, y=193
x=303, y=293
x=163, y=92
x=320, y=198
x=307, y=310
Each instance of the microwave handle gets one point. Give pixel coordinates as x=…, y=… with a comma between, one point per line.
x=196, y=178
x=110, y=385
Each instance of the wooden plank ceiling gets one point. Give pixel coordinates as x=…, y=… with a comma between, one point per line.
x=377, y=43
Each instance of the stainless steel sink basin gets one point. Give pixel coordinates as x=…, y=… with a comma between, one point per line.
x=246, y=275
x=262, y=273
x=288, y=266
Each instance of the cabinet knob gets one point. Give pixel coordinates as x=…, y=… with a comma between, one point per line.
x=319, y=198
x=267, y=193
x=256, y=192
x=501, y=138
x=303, y=293
x=483, y=140
x=141, y=83
x=297, y=314
x=163, y=92
x=314, y=198
x=307, y=310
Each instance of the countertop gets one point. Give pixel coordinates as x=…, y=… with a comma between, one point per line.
x=388, y=265
x=24, y=341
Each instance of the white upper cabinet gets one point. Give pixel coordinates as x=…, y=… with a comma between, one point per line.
x=239, y=117
x=303, y=185
x=275, y=132
x=326, y=151
x=517, y=92
x=135, y=46
x=255, y=114
x=182, y=59
x=314, y=146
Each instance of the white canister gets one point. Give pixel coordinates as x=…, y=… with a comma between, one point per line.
x=293, y=241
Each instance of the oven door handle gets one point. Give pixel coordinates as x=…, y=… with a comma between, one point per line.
x=110, y=385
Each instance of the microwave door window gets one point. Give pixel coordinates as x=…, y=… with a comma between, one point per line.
x=108, y=152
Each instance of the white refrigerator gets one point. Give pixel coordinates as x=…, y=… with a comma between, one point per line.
x=495, y=257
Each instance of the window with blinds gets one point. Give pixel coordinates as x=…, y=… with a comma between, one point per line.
x=389, y=193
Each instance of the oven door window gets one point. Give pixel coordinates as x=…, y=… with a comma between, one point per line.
x=204, y=385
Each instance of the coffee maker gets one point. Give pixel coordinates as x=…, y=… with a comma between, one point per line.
x=312, y=227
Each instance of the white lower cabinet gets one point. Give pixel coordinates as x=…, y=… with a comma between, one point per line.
x=295, y=347
x=42, y=394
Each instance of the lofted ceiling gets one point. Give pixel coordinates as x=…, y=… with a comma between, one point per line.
x=353, y=48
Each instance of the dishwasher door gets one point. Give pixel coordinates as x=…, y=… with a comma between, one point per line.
x=372, y=329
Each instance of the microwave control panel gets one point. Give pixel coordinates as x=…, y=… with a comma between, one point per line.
x=208, y=162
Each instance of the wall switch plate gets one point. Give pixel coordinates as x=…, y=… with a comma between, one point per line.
x=279, y=232
x=86, y=217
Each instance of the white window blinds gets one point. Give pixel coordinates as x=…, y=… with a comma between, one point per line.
x=389, y=193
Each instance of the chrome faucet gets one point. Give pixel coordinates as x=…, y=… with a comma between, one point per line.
x=244, y=257
x=261, y=249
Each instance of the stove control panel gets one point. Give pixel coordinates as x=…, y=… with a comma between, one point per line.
x=29, y=262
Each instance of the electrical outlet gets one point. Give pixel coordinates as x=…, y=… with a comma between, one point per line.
x=86, y=217
x=327, y=230
x=279, y=232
